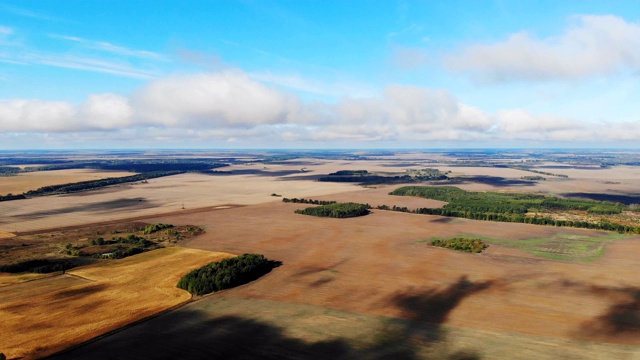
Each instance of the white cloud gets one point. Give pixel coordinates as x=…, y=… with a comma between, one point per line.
x=106, y=111
x=227, y=98
x=35, y=115
x=593, y=45
x=420, y=113
x=229, y=106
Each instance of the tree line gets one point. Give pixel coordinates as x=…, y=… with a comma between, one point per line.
x=504, y=207
x=96, y=184
x=307, y=201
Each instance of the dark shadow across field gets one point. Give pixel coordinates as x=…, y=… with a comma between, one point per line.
x=117, y=204
x=258, y=172
x=624, y=199
x=192, y=333
x=489, y=180
x=187, y=334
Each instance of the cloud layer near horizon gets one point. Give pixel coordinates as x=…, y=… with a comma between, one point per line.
x=231, y=106
x=593, y=45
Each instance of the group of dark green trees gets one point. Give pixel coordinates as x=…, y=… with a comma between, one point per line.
x=509, y=207
x=337, y=210
x=226, y=274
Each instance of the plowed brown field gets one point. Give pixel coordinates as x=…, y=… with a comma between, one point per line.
x=376, y=264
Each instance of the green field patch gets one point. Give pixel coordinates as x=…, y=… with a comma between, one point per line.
x=561, y=246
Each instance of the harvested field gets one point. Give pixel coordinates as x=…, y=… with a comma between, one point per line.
x=33, y=180
x=9, y=279
x=5, y=234
x=536, y=292
x=216, y=327
x=620, y=180
x=378, y=264
x=254, y=184
x=162, y=195
x=43, y=316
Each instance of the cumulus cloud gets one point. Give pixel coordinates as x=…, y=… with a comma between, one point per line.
x=593, y=45
x=227, y=98
x=106, y=111
x=36, y=115
x=521, y=124
x=423, y=113
x=226, y=107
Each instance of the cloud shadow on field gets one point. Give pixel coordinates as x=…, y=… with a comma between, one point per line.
x=434, y=305
x=624, y=199
x=192, y=335
x=443, y=220
x=623, y=315
x=490, y=180
x=78, y=293
x=316, y=269
x=117, y=204
x=259, y=172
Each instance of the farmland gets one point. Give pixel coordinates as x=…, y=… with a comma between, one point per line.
x=20, y=183
x=535, y=291
x=81, y=304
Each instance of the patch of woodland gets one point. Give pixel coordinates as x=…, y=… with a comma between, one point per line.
x=337, y=210
x=226, y=274
x=514, y=207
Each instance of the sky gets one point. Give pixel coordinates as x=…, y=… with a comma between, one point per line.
x=329, y=74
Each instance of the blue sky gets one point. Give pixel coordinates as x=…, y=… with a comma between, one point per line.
x=319, y=74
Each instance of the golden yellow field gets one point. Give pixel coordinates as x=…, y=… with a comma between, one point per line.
x=5, y=234
x=43, y=316
x=33, y=180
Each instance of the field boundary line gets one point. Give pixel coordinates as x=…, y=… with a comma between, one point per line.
x=124, y=220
